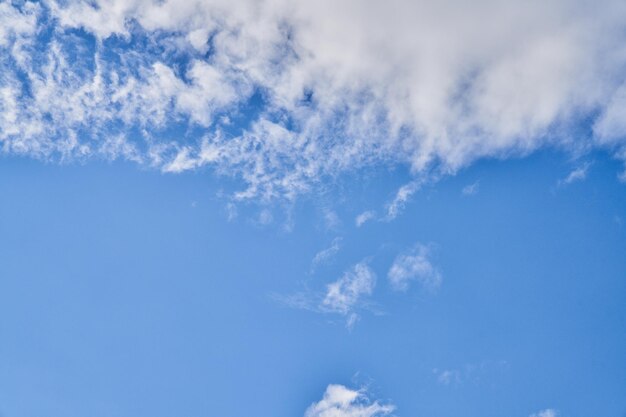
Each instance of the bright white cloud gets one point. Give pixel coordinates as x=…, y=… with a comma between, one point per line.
x=545, y=413
x=431, y=85
x=414, y=265
x=340, y=401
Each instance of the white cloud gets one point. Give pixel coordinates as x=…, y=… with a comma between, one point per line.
x=414, y=265
x=610, y=127
x=340, y=401
x=16, y=23
x=577, y=174
x=431, y=85
x=545, y=413
x=403, y=195
x=351, y=321
x=471, y=189
x=364, y=217
x=344, y=295
x=326, y=254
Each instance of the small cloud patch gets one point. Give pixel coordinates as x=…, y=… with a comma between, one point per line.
x=414, y=265
x=340, y=401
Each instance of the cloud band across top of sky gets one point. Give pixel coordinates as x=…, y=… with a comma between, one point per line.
x=284, y=94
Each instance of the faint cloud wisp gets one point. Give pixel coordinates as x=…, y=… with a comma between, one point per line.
x=471, y=189
x=325, y=255
x=414, y=265
x=578, y=174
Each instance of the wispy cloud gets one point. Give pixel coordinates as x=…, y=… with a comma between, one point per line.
x=470, y=372
x=344, y=295
x=265, y=217
x=577, y=174
x=471, y=189
x=545, y=413
x=331, y=219
x=303, y=300
x=325, y=255
x=340, y=401
x=347, y=296
x=351, y=293
x=364, y=217
x=231, y=211
x=447, y=376
x=403, y=195
x=414, y=265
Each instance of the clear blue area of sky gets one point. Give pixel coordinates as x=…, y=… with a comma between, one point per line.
x=126, y=292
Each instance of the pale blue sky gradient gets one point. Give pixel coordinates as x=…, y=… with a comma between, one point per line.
x=128, y=293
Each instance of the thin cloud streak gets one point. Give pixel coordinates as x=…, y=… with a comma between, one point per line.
x=577, y=174
x=325, y=255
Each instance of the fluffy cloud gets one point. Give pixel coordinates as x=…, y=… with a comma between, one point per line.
x=17, y=23
x=414, y=265
x=285, y=94
x=339, y=401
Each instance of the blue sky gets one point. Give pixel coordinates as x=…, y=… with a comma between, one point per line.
x=285, y=209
